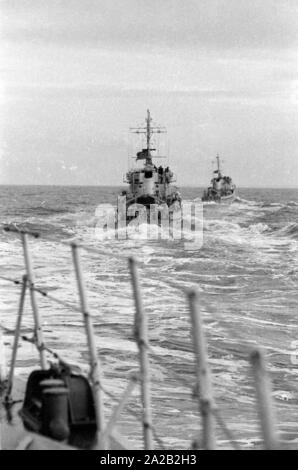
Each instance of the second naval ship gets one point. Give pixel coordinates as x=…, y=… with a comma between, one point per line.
x=222, y=187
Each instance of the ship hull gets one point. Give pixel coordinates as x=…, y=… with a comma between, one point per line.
x=220, y=199
x=229, y=198
x=147, y=202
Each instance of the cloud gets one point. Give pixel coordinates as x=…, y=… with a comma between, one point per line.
x=206, y=24
x=220, y=74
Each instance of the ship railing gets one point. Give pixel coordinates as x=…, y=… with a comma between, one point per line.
x=202, y=389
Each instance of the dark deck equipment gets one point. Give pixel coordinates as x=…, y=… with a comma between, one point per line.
x=42, y=400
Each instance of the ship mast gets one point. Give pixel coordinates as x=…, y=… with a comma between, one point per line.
x=148, y=121
x=218, y=165
x=148, y=130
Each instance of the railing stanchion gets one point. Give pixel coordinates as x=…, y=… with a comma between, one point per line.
x=93, y=357
x=37, y=318
x=16, y=340
x=3, y=370
x=264, y=399
x=204, y=387
x=141, y=333
x=2, y=375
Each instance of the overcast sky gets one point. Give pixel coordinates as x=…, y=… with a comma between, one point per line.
x=221, y=75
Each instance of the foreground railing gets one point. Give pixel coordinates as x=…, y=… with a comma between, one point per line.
x=210, y=416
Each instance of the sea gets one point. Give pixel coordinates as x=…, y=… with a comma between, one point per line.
x=245, y=272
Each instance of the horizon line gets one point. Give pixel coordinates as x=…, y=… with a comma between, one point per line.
x=120, y=186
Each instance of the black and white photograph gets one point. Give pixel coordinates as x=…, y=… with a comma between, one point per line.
x=149, y=228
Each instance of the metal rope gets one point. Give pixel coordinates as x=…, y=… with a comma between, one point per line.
x=44, y=294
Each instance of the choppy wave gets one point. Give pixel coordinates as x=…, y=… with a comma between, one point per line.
x=290, y=230
x=247, y=202
x=245, y=272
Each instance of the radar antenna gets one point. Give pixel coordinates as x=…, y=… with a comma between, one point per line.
x=148, y=131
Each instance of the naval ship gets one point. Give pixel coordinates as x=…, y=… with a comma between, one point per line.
x=222, y=187
x=149, y=184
